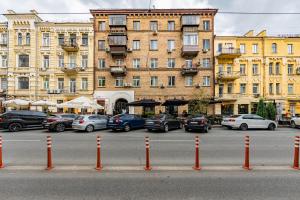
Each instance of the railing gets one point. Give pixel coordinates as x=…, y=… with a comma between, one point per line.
x=229, y=96
x=229, y=51
x=3, y=42
x=189, y=70
x=71, y=67
x=190, y=50
x=228, y=75
x=118, y=70
x=70, y=45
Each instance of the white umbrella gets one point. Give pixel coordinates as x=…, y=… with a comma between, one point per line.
x=43, y=103
x=80, y=102
x=16, y=102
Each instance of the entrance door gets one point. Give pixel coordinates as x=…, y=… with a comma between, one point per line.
x=121, y=107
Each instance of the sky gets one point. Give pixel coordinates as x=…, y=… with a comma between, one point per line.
x=225, y=24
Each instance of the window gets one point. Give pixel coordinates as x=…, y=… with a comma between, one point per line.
x=46, y=62
x=290, y=48
x=23, y=83
x=4, y=84
x=101, y=45
x=27, y=38
x=61, y=39
x=101, y=63
x=153, y=45
x=136, y=25
x=136, y=81
x=136, y=45
x=171, y=62
x=290, y=69
x=119, y=82
x=171, y=45
x=72, y=85
x=4, y=61
x=171, y=81
x=206, y=44
x=274, y=48
x=206, y=62
x=254, y=48
x=153, y=26
x=46, y=83
x=229, y=88
x=153, y=63
x=206, y=80
x=270, y=68
x=101, y=25
x=243, y=88
x=84, y=61
x=136, y=63
x=277, y=88
x=229, y=69
x=119, y=62
x=101, y=81
x=20, y=39
x=290, y=88
x=85, y=39
x=242, y=48
x=270, y=88
x=189, y=63
x=206, y=25
x=255, y=88
x=23, y=60
x=243, y=108
x=190, y=19
x=60, y=84
x=190, y=39
x=243, y=69
x=188, y=81
x=46, y=39
x=171, y=25
x=61, y=61
x=255, y=69
x=221, y=69
x=154, y=81
x=277, y=68
x=3, y=38
x=84, y=83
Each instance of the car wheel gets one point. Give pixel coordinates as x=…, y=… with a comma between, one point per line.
x=166, y=128
x=114, y=130
x=149, y=129
x=271, y=127
x=14, y=127
x=206, y=129
x=187, y=130
x=60, y=127
x=293, y=124
x=50, y=129
x=89, y=128
x=229, y=127
x=244, y=127
x=127, y=128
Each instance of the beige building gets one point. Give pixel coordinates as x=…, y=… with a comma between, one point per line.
x=156, y=54
x=3, y=62
x=49, y=60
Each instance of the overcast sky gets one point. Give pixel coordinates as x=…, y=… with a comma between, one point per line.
x=225, y=24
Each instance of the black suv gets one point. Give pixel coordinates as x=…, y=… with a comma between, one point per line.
x=19, y=119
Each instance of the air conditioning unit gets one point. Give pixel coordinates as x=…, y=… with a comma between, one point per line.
x=198, y=63
x=197, y=85
x=107, y=49
x=162, y=86
x=129, y=50
x=155, y=32
x=205, y=50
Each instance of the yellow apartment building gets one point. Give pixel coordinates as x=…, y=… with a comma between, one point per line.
x=3, y=62
x=251, y=67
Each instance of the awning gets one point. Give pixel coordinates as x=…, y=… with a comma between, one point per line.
x=144, y=102
x=175, y=102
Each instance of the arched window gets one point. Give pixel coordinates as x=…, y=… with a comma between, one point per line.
x=27, y=38
x=19, y=38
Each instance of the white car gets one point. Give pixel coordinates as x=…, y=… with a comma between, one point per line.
x=248, y=121
x=295, y=122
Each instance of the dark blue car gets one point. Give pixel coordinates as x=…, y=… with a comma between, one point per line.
x=125, y=122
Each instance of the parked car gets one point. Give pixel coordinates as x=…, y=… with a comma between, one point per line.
x=295, y=122
x=162, y=122
x=125, y=122
x=59, y=122
x=18, y=119
x=89, y=123
x=197, y=122
x=248, y=121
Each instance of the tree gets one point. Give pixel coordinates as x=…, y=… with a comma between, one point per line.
x=271, y=111
x=200, y=102
x=261, y=109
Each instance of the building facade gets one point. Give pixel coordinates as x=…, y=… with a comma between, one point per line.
x=156, y=54
x=48, y=60
x=3, y=63
x=251, y=67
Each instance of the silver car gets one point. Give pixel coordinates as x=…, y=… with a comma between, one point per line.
x=89, y=123
x=248, y=121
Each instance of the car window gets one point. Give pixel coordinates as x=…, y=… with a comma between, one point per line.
x=247, y=117
x=92, y=117
x=79, y=118
x=257, y=117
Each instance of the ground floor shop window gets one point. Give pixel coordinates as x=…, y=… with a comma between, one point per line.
x=172, y=110
x=148, y=111
x=243, y=108
x=227, y=109
x=253, y=108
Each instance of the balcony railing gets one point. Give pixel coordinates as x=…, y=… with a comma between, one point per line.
x=71, y=68
x=228, y=75
x=3, y=42
x=228, y=96
x=70, y=46
x=229, y=53
x=118, y=70
x=190, y=20
x=190, y=50
x=189, y=70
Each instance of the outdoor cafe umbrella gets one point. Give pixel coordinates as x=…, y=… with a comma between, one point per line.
x=144, y=102
x=80, y=102
x=43, y=103
x=16, y=103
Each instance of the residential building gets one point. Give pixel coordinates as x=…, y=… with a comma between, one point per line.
x=156, y=54
x=3, y=63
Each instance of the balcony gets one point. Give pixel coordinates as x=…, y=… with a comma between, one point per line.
x=189, y=70
x=118, y=70
x=70, y=46
x=117, y=20
x=190, y=50
x=117, y=45
x=228, y=76
x=190, y=20
x=228, y=53
x=3, y=42
x=71, y=68
x=228, y=97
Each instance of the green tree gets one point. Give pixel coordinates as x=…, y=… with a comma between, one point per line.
x=271, y=111
x=261, y=109
x=200, y=102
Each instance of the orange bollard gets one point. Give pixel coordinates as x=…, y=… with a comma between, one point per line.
x=197, y=160
x=247, y=156
x=1, y=162
x=147, y=144
x=49, y=153
x=98, y=164
x=296, y=153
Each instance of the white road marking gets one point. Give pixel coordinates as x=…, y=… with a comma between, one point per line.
x=172, y=140
x=21, y=140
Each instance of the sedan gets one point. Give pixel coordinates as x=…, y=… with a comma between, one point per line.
x=162, y=122
x=197, y=122
x=89, y=123
x=59, y=122
x=126, y=122
x=248, y=121
x=295, y=122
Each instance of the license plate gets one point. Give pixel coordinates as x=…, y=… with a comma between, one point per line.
x=149, y=122
x=194, y=122
x=111, y=121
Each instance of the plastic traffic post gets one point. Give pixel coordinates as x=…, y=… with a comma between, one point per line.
x=49, y=153
x=296, y=153
x=1, y=162
x=98, y=164
x=147, y=145
x=247, y=156
x=197, y=160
